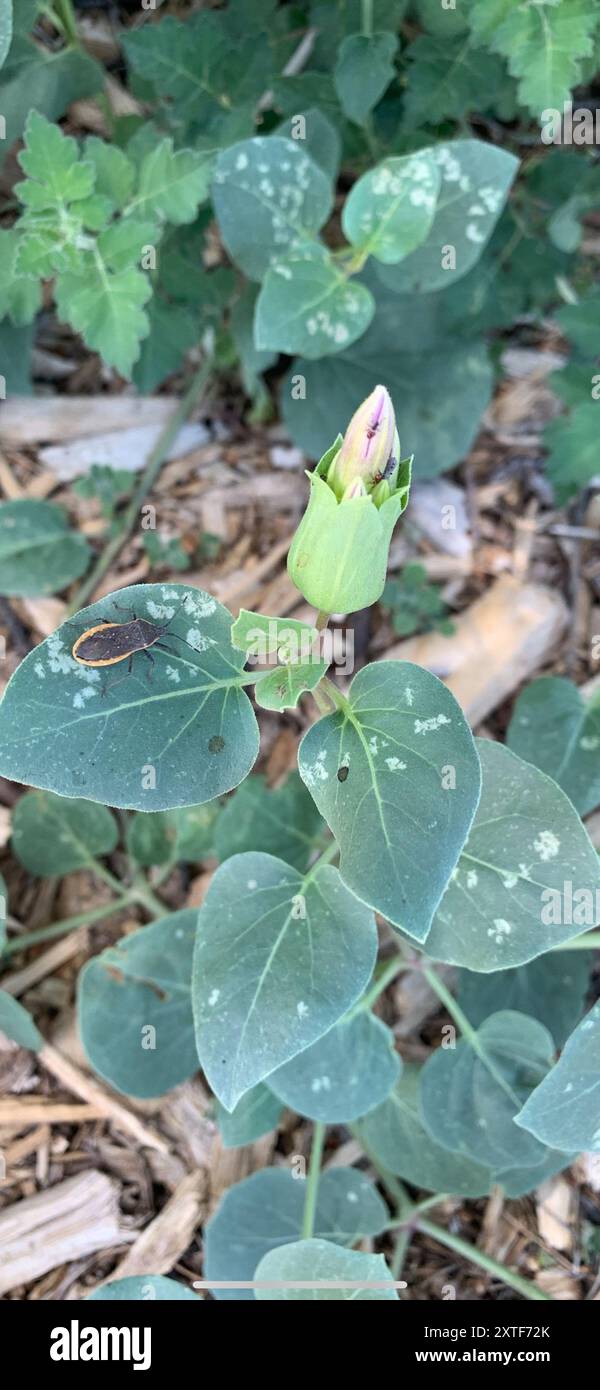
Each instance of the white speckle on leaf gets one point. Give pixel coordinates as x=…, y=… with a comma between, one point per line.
x=474, y=233
x=301, y=1009
x=409, y=695
x=472, y=878
x=427, y=726
x=318, y=772
x=81, y=696
x=159, y=611
x=589, y=743
x=510, y=880
x=39, y=671
x=173, y=675
x=214, y=995
x=395, y=765
x=547, y=845
x=500, y=930
x=320, y=1083
x=251, y=883
x=198, y=640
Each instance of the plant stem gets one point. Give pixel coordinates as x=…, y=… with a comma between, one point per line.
x=589, y=941
x=477, y=1257
x=389, y=971
x=312, y=1181
x=467, y=1030
x=397, y=1192
x=366, y=8
x=148, y=477
x=83, y=919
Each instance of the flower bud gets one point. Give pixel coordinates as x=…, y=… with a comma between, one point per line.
x=368, y=444
x=355, y=489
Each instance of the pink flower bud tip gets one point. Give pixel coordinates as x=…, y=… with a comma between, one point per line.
x=368, y=444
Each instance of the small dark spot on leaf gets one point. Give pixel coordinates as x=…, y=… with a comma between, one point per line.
x=342, y=773
x=216, y=744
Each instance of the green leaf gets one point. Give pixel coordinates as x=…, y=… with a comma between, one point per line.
x=284, y=821
x=16, y=345
x=527, y=876
x=48, y=83
x=279, y=959
x=6, y=29
x=269, y=196
x=470, y=1093
x=252, y=361
x=556, y=730
x=517, y=1182
x=172, y=183
x=445, y=22
x=389, y=211
x=142, y=986
x=173, y=331
x=402, y=739
x=114, y=172
x=144, y=1288
x=16, y=1024
x=322, y=140
x=476, y=178
x=121, y=245
x=195, y=66
x=396, y=1136
x=307, y=305
x=460, y=382
x=52, y=835
x=38, y=553
x=3, y=912
x=20, y=297
x=320, y=1260
x=363, y=71
x=552, y=989
x=180, y=739
x=265, y=1211
x=261, y=636
x=281, y=689
x=448, y=78
x=182, y=835
x=107, y=309
x=579, y=322
x=343, y=1075
x=564, y=1110
x=55, y=172
x=257, y=1113
x=572, y=441
x=542, y=42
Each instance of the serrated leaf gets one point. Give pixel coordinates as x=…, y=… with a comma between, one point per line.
x=106, y=307
x=181, y=739
x=16, y=1024
x=564, y=1110
x=142, y=1288
x=343, y=1075
x=55, y=172
x=543, y=43
x=142, y=985
x=279, y=959
x=572, y=443
x=471, y=1093
x=265, y=1211
x=172, y=183
x=307, y=305
x=509, y=898
x=114, y=172
x=122, y=244
x=322, y=1261
x=390, y=209
x=400, y=832
x=196, y=66
x=6, y=28
x=551, y=989
x=33, y=79
x=269, y=196
x=449, y=77
x=363, y=72
x=20, y=297
x=475, y=181
x=260, y=636
x=38, y=553
x=283, y=821
x=396, y=1136
x=255, y=1114
x=281, y=689
x=53, y=835
x=554, y=728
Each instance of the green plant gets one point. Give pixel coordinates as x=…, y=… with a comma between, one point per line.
x=474, y=856
x=415, y=604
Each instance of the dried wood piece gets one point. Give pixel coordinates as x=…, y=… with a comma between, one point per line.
x=46, y=614
x=556, y=1203
x=164, y=1241
x=43, y=965
x=66, y=1222
x=75, y=1081
x=29, y=1110
x=498, y=643
x=40, y=419
x=127, y=449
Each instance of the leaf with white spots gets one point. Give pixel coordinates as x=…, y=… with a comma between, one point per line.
x=265, y=1211
x=177, y=731
x=53, y=835
x=281, y=688
x=255, y=1114
x=564, y=1110
x=324, y=1262
x=475, y=182
x=554, y=728
x=343, y=1075
x=551, y=988
x=396, y=775
x=363, y=71
x=269, y=196
x=279, y=959
x=38, y=552
x=307, y=305
x=396, y=1136
x=135, y=1008
x=528, y=876
x=389, y=211
x=471, y=1093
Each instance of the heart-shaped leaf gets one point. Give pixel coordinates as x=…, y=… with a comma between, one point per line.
x=52, y=835
x=389, y=210
x=38, y=553
x=364, y=68
x=343, y=1075
x=564, y=1110
x=279, y=959
x=135, y=1008
x=268, y=196
x=395, y=773
x=551, y=989
x=266, y=1210
x=177, y=732
x=307, y=305
x=182, y=836
x=527, y=878
x=324, y=1262
x=556, y=730
x=255, y=1114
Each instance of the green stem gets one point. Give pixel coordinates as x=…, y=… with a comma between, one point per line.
x=389, y=971
x=83, y=919
x=477, y=1257
x=312, y=1181
x=589, y=941
x=467, y=1029
x=148, y=477
x=397, y=1192
x=329, y=688
x=65, y=14
x=366, y=8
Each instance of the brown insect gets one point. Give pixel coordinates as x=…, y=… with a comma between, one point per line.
x=107, y=642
